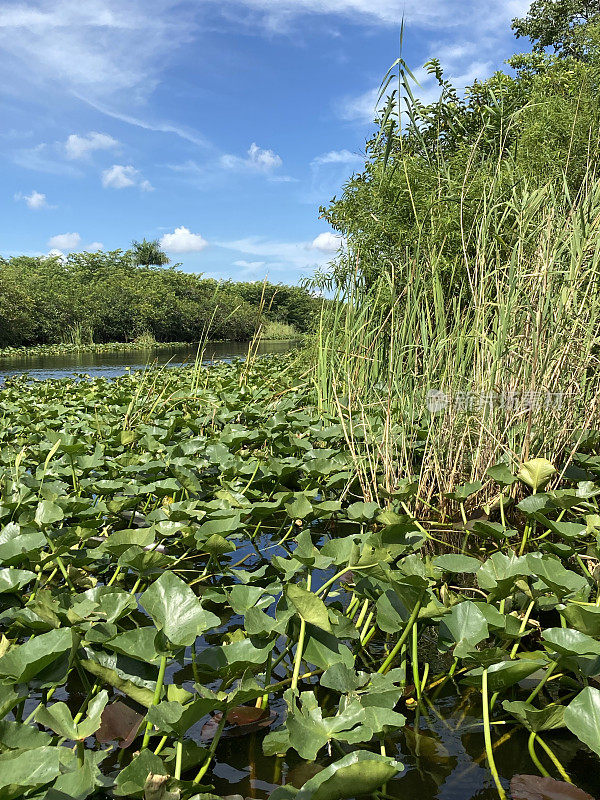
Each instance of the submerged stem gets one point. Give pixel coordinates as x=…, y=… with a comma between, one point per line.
x=531, y=747
x=488, y=737
x=203, y=769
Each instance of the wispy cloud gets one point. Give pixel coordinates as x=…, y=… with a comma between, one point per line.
x=337, y=157
x=278, y=15
x=44, y=158
x=96, y=48
x=182, y=132
x=297, y=255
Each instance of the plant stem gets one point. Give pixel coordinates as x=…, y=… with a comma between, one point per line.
x=415, y=661
x=542, y=683
x=534, y=758
x=156, y=699
x=396, y=649
x=179, y=759
x=203, y=769
x=80, y=753
x=299, y=648
x=554, y=759
x=488, y=737
x=264, y=700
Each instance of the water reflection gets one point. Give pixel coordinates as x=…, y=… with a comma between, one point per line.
x=111, y=365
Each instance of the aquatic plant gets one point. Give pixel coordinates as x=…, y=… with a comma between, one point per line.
x=187, y=556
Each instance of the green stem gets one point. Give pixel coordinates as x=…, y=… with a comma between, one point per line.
x=524, y=622
x=203, y=769
x=268, y=672
x=361, y=616
x=114, y=577
x=339, y=574
x=156, y=698
x=542, y=683
x=415, y=661
x=554, y=759
x=488, y=737
x=366, y=626
x=299, y=648
x=531, y=747
x=396, y=649
x=179, y=759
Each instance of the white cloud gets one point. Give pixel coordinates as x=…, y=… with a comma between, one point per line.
x=458, y=68
x=182, y=240
x=94, y=247
x=55, y=252
x=98, y=48
x=338, y=157
x=43, y=158
x=358, y=108
x=249, y=264
x=64, y=241
x=279, y=255
x=257, y=160
x=327, y=242
x=120, y=176
x=81, y=146
x=277, y=14
x=35, y=200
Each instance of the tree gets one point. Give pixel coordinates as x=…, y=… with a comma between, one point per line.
x=147, y=254
x=560, y=24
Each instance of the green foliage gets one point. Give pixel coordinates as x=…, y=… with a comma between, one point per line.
x=119, y=296
x=426, y=179
x=472, y=268
x=112, y=496
x=558, y=24
x=148, y=254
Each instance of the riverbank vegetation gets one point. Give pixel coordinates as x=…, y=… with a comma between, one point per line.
x=103, y=297
x=472, y=266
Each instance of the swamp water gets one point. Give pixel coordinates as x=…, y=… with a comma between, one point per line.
x=112, y=365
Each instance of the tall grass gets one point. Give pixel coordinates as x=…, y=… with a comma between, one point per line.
x=518, y=313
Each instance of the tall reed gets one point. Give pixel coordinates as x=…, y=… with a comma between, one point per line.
x=516, y=316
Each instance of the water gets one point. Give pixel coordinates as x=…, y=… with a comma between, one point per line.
x=112, y=365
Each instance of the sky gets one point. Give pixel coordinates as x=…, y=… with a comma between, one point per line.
x=218, y=127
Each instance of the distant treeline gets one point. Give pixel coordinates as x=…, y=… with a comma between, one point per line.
x=108, y=297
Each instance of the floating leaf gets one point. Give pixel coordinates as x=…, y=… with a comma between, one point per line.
x=176, y=610
x=24, y=662
x=29, y=767
x=359, y=773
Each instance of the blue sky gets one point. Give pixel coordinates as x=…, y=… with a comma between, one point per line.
x=217, y=126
